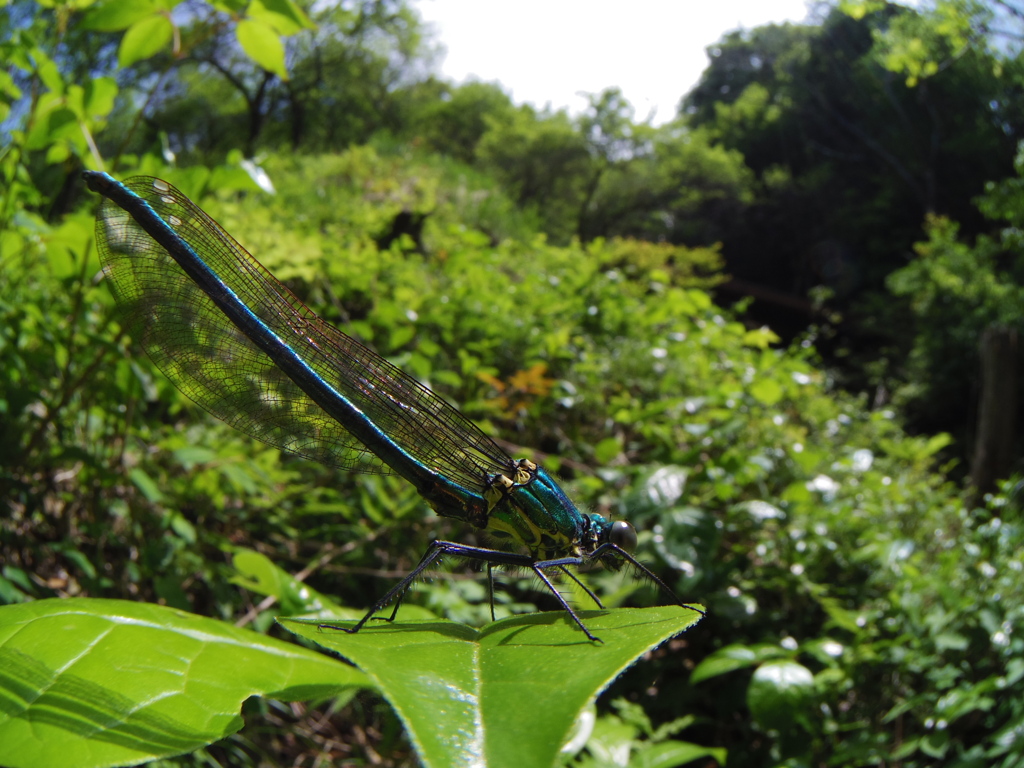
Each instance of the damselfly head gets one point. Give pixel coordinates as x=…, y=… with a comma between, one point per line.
x=605, y=540
x=623, y=536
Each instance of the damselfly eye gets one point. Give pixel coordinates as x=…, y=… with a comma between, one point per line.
x=623, y=535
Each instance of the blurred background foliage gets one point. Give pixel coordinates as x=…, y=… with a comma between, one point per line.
x=752, y=331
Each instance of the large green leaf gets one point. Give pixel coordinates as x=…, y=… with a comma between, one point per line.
x=504, y=695
x=733, y=657
x=262, y=44
x=86, y=682
x=144, y=39
x=258, y=573
x=284, y=16
x=115, y=15
x=780, y=694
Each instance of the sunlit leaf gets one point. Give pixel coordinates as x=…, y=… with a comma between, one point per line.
x=284, y=16
x=262, y=44
x=671, y=754
x=144, y=38
x=91, y=682
x=471, y=696
x=115, y=15
x=607, y=449
x=733, y=657
x=780, y=693
x=767, y=391
x=100, y=93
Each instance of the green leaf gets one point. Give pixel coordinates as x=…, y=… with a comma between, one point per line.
x=100, y=93
x=192, y=455
x=146, y=485
x=232, y=177
x=261, y=43
x=504, y=695
x=401, y=335
x=607, y=449
x=57, y=153
x=182, y=527
x=144, y=38
x=936, y=443
x=766, y=391
x=612, y=741
x=53, y=121
x=761, y=338
x=283, y=15
x=8, y=87
x=780, y=693
x=734, y=657
x=89, y=682
x=233, y=7
x=115, y=15
x=48, y=71
x=258, y=573
x=843, y=617
x=936, y=744
x=669, y=754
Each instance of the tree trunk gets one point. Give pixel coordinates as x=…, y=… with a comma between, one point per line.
x=997, y=412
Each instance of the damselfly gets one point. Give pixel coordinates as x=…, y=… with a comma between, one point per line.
x=241, y=345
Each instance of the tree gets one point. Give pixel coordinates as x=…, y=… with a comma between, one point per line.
x=453, y=120
x=678, y=186
x=849, y=156
x=544, y=161
x=332, y=82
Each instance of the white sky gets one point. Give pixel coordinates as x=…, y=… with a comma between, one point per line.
x=548, y=51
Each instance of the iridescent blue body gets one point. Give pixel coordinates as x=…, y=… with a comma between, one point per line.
x=241, y=345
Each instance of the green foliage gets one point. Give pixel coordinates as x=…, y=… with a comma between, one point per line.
x=99, y=682
x=602, y=175
x=453, y=123
x=805, y=522
x=681, y=187
x=852, y=595
x=848, y=157
x=956, y=290
x=542, y=160
x=919, y=46
x=629, y=737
